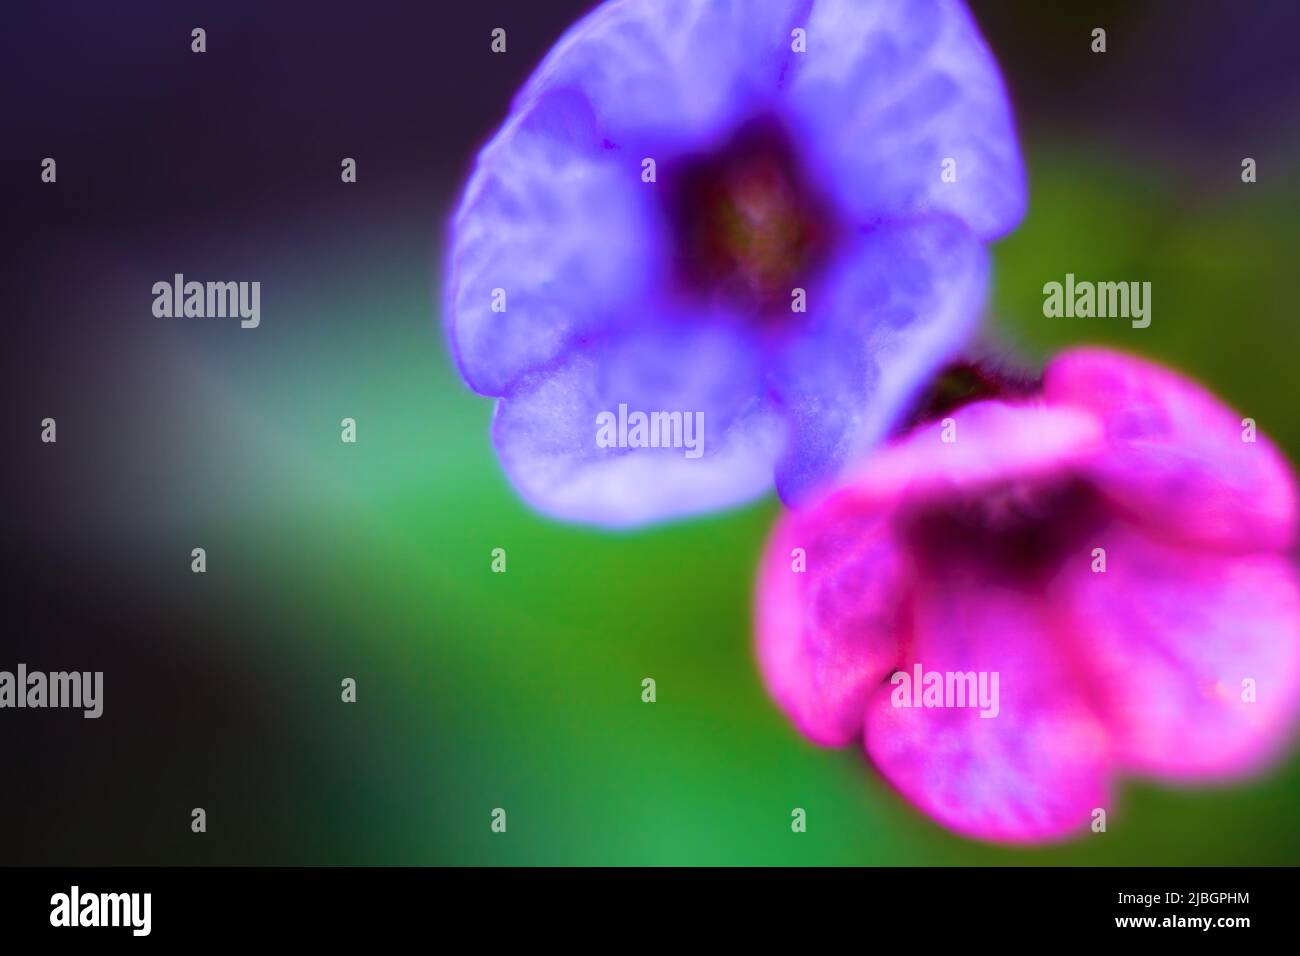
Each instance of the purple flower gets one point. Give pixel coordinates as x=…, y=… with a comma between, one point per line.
x=763, y=218
x=1107, y=559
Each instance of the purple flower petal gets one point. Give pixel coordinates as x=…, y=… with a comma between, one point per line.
x=546, y=429
x=552, y=220
x=671, y=76
x=887, y=91
x=883, y=318
x=1167, y=635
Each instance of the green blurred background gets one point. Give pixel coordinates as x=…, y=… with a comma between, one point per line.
x=325, y=560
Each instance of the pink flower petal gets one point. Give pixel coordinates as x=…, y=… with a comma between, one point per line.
x=1169, y=635
x=992, y=441
x=1177, y=460
x=828, y=634
x=1036, y=770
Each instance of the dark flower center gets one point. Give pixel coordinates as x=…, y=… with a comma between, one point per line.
x=1018, y=531
x=961, y=382
x=746, y=226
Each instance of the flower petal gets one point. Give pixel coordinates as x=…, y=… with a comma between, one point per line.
x=892, y=308
x=992, y=441
x=889, y=90
x=546, y=431
x=556, y=224
x=1033, y=772
x=1176, y=459
x=674, y=75
x=1169, y=635
x=829, y=629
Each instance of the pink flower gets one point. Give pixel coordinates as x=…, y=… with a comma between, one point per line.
x=1112, y=549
